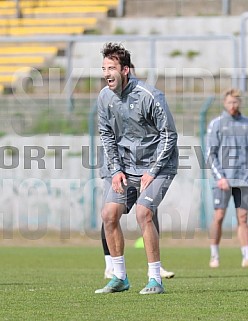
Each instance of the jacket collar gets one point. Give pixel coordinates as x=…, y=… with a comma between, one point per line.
x=132, y=83
x=226, y=114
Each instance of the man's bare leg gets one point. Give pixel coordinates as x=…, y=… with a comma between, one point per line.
x=216, y=227
x=242, y=226
x=151, y=241
x=243, y=234
x=111, y=215
x=215, y=236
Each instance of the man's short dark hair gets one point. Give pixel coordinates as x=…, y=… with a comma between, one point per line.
x=118, y=52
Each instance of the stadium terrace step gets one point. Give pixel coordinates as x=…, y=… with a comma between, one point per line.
x=14, y=69
x=28, y=3
x=9, y=74
x=58, y=8
x=7, y=12
x=78, y=3
x=12, y=4
x=18, y=61
x=22, y=60
x=7, y=79
x=41, y=30
x=64, y=10
x=43, y=17
x=28, y=50
x=25, y=22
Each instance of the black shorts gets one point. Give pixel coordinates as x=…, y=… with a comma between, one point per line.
x=240, y=197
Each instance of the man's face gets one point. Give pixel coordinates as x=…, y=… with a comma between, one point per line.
x=115, y=77
x=232, y=105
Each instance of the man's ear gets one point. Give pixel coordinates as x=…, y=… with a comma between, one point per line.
x=126, y=70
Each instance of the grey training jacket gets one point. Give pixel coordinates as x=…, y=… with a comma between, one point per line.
x=227, y=148
x=137, y=130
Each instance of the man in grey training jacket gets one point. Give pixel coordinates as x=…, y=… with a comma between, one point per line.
x=227, y=153
x=140, y=145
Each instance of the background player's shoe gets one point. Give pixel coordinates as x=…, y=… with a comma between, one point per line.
x=214, y=262
x=166, y=274
x=153, y=287
x=244, y=263
x=115, y=285
x=108, y=274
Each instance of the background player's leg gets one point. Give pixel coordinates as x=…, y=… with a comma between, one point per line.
x=215, y=236
x=243, y=234
x=163, y=272
x=108, y=273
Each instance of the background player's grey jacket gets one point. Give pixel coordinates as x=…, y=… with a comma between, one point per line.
x=137, y=130
x=227, y=148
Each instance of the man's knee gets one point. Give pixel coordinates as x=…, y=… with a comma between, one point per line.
x=107, y=215
x=242, y=216
x=219, y=215
x=111, y=214
x=143, y=214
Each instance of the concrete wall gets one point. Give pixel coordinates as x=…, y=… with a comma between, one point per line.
x=35, y=199
x=177, y=25
x=148, y=8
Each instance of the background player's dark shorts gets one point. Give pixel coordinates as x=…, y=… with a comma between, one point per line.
x=151, y=197
x=131, y=194
x=240, y=197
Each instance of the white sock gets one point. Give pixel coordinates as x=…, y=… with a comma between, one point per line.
x=154, y=271
x=108, y=262
x=244, y=250
x=214, y=248
x=119, y=267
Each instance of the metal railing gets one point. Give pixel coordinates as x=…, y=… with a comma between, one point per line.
x=202, y=125
x=152, y=40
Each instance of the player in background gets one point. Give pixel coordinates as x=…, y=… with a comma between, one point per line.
x=227, y=142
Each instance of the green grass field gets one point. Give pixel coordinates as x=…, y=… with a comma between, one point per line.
x=47, y=283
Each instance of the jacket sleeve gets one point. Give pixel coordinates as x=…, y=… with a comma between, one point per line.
x=213, y=146
x=108, y=139
x=164, y=123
